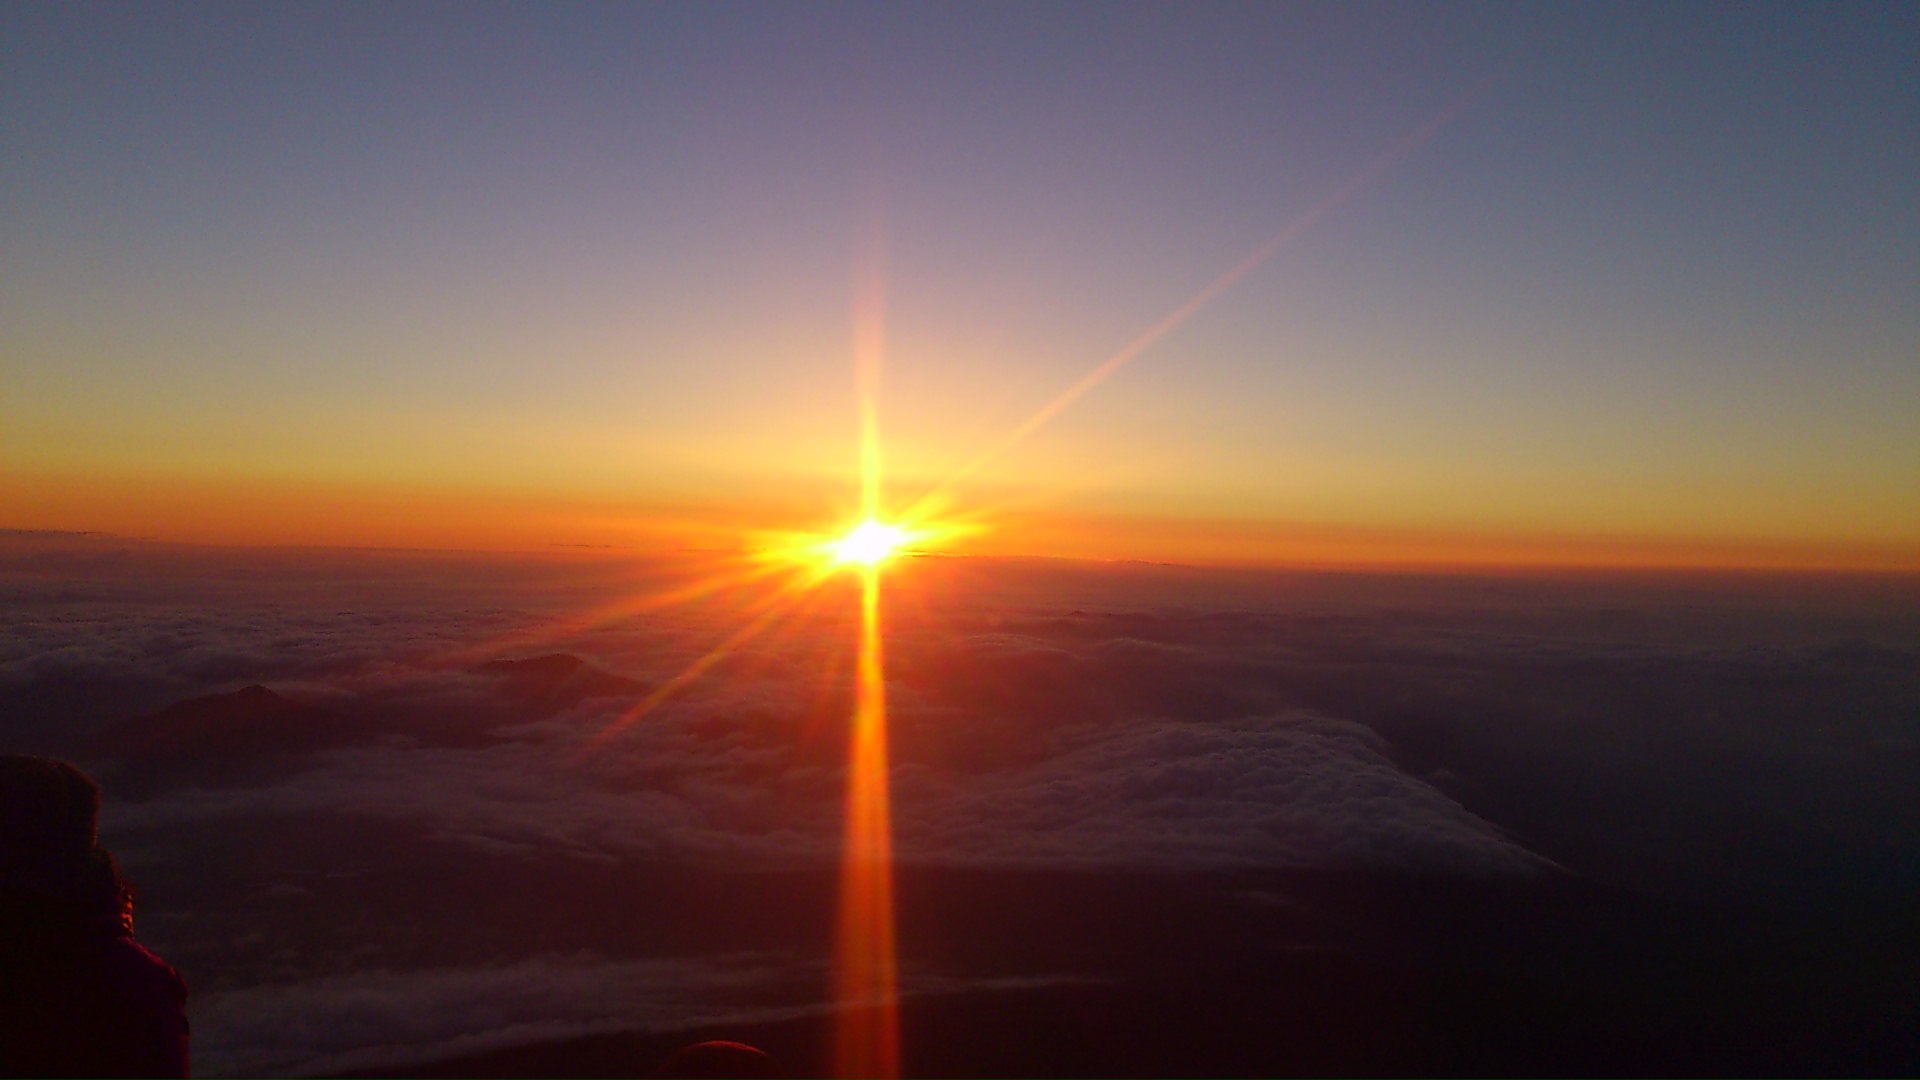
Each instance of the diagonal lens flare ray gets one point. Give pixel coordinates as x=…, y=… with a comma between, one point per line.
x=766, y=614
x=865, y=963
x=867, y=1039
x=1253, y=260
x=723, y=576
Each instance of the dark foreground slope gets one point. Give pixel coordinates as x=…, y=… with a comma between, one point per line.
x=1337, y=974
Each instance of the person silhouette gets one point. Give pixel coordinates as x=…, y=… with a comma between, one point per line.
x=78, y=995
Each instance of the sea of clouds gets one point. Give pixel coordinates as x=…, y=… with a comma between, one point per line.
x=1042, y=717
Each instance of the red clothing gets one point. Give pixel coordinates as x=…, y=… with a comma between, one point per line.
x=80, y=997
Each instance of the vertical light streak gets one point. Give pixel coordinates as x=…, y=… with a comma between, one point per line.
x=869, y=347
x=867, y=1037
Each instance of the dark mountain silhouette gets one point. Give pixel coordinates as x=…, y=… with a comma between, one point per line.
x=247, y=722
x=1345, y=973
x=253, y=733
x=557, y=680
x=242, y=735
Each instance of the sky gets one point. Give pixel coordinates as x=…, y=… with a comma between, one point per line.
x=1388, y=283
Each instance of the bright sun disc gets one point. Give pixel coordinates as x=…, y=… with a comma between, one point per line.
x=868, y=543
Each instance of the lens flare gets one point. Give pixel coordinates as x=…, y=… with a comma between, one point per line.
x=867, y=1042
x=869, y=543
x=867, y=1035
x=791, y=567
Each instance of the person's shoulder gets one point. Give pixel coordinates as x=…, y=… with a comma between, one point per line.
x=135, y=967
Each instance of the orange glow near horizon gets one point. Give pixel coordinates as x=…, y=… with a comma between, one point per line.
x=701, y=545
x=777, y=574
x=545, y=367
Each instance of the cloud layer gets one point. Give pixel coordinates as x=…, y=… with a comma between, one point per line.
x=1159, y=723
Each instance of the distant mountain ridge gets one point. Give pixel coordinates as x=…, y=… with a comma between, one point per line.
x=219, y=739
x=249, y=721
x=253, y=732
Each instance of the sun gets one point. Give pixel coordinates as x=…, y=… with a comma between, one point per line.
x=869, y=543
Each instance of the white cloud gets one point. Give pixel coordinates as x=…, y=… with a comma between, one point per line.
x=1282, y=791
x=384, y=1017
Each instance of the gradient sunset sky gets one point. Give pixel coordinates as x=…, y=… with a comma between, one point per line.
x=1518, y=282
